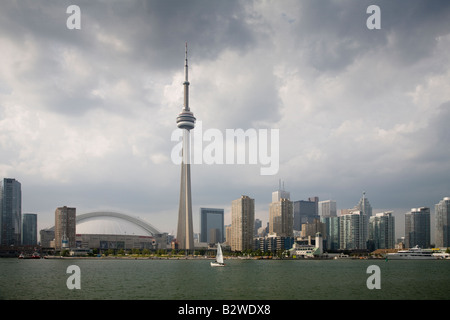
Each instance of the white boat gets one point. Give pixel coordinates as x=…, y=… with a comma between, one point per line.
x=415, y=253
x=219, y=258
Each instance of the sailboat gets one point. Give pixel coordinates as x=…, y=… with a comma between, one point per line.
x=219, y=258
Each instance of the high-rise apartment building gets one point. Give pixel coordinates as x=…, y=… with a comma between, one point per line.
x=442, y=212
x=242, y=223
x=352, y=228
x=417, y=228
x=10, y=212
x=29, y=229
x=65, y=227
x=281, y=218
x=212, y=225
x=382, y=231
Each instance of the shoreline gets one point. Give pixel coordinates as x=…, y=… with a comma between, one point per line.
x=205, y=258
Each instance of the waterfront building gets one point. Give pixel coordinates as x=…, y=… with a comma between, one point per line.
x=352, y=228
x=104, y=242
x=242, y=223
x=47, y=237
x=212, y=225
x=382, y=231
x=331, y=234
x=186, y=122
x=273, y=243
x=442, y=212
x=29, y=229
x=309, y=250
x=65, y=227
x=10, y=212
x=417, y=228
x=327, y=208
x=305, y=211
x=281, y=218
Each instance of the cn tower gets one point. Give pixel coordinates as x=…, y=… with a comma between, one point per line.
x=186, y=122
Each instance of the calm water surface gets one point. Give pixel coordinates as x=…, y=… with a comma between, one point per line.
x=240, y=279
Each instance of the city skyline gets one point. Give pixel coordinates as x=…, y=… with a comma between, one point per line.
x=86, y=115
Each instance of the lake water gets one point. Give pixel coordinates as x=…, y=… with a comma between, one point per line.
x=123, y=279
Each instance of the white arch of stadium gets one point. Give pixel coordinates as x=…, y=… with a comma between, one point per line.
x=145, y=225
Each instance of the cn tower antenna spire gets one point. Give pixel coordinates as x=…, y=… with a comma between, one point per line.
x=186, y=82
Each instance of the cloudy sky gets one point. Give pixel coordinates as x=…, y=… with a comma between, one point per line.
x=86, y=116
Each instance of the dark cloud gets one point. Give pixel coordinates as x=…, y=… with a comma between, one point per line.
x=357, y=109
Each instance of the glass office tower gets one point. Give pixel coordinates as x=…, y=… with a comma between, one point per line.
x=10, y=212
x=211, y=225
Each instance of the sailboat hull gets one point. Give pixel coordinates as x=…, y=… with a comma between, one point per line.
x=217, y=264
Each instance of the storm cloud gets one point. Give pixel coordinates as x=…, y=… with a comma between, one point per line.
x=86, y=115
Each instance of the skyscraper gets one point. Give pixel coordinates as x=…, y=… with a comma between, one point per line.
x=186, y=122
x=65, y=227
x=281, y=218
x=417, y=228
x=442, y=211
x=352, y=230
x=280, y=194
x=364, y=206
x=212, y=225
x=242, y=223
x=382, y=231
x=305, y=211
x=29, y=229
x=327, y=208
x=366, y=209
x=10, y=212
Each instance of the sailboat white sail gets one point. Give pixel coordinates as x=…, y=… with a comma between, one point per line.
x=219, y=258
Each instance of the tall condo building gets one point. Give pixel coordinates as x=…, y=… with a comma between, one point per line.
x=382, y=231
x=212, y=225
x=29, y=229
x=442, y=211
x=65, y=227
x=281, y=218
x=186, y=122
x=242, y=223
x=352, y=231
x=10, y=212
x=417, y=228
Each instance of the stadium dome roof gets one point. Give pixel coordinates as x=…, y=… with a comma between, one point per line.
x=113, y=223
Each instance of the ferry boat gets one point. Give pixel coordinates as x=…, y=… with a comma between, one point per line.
x=415, y=253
